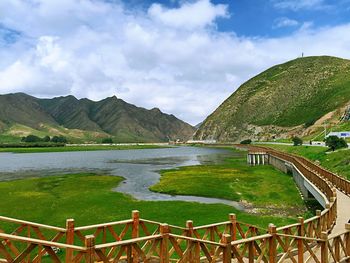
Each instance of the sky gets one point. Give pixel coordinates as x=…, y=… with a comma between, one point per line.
x=184, y=57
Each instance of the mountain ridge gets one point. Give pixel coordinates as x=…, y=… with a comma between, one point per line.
x=108, y=117
x=282, y=101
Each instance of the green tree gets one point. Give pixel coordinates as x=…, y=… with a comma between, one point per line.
x=334, y=142
x=107, y=140
x=248, y=141
x=31, y=138
x=59, y=139
x=297, y=141
x=46, y=138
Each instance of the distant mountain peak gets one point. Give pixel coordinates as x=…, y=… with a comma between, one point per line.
x=109, y=117
x=114, y=97
x=156, y=110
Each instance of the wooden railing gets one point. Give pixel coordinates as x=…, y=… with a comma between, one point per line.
x=140, y=240
x=337, y=181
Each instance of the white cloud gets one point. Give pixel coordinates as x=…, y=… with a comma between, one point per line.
x=296, y=5
x=190, y=15
x=285, y=22
x=99, y=49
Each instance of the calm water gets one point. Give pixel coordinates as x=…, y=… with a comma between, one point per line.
x=138, y=167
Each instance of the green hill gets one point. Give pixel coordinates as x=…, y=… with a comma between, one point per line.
x=86, y=120
x=290, y=99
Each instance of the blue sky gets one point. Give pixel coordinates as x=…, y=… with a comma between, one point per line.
x=261, y=17
x=182, y=56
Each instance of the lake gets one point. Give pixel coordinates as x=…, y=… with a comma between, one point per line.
x=140, y=168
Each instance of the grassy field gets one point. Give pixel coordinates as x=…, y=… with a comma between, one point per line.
x=234, y=180
x=79, y=148
x=337, y=162
x=88, y=199
x=9, y=139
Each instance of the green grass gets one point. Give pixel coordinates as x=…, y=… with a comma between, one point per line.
x=307, y=76
x=88, y=199
x=337, y=162
x=79, y=148
x=233, y=180
x=9, y=139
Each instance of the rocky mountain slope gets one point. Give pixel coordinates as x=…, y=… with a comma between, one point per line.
x=89, y=119
x=294, y=98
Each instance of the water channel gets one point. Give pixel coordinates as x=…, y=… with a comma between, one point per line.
x=140, y=168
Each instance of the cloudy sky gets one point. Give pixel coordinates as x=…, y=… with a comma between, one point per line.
x=182, y=56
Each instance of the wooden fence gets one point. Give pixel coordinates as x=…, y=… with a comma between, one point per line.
x=140, y=240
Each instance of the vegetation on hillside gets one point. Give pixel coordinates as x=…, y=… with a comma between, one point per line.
x=337, y=162
x=55, y=139
x=296, y=93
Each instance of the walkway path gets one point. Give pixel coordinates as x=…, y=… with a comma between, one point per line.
x=343, y=212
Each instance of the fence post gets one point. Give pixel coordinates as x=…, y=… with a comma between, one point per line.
x=328, y=216
x=347, y=239
x=272, y=244
x=324, y=247
x=333, y=211
x=164, y=245
x=189, y=226
x=233, y=227
x=69, y=239
x=319, y=223
x=135, y=215
x=90, y=248
x=226, y=254
x=300, y=241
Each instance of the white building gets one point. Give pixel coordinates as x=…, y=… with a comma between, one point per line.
x=201, y=141
x=342, y=134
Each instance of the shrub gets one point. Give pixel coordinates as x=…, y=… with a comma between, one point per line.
x=46, y=139
x=248, y=141
x=31, y=138
x=59, y=139
x=297, y=141
x=107, y=140
x=334, y=142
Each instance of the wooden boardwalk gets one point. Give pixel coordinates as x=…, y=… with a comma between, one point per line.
x=343, y=212
x=323, y=238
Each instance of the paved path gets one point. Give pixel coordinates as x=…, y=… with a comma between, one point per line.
x=343, y=212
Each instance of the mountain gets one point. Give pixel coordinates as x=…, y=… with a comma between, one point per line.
x=294, y=98
x=197, y=126
x=23, y=109
x=84, y=119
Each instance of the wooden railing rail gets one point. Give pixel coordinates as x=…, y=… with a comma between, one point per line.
x=28, y=223
x=339, y=182
x=15, y=248
x=128, y=241
x=157, y=223
x=94, y=227
x=39, y=242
